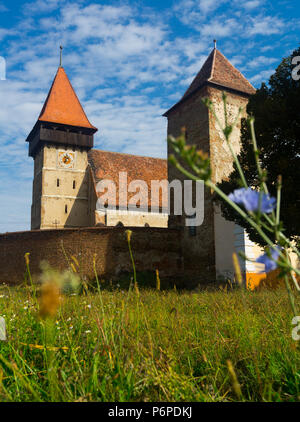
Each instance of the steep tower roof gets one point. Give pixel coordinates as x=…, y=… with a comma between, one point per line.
x=62, y=105
x=218, y=71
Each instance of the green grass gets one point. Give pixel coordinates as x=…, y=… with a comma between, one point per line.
x=151, y=346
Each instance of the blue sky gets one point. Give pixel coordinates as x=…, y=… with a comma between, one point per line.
x=128, y=62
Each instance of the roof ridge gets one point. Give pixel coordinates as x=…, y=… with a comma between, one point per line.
x=238, y=71
x=126, y=153
x=71, y=86
x=217, y=70
x=62, y=104
x=213, y=64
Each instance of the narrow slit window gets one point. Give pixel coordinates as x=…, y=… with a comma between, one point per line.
x=66, y=209
x=193, y=229
x=57, y=182
x=74, y=184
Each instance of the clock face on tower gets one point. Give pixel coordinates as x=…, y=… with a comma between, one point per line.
x=66, y=159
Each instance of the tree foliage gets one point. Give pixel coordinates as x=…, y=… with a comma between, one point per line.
x=276, y=109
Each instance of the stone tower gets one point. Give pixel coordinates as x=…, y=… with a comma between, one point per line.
x=59, y=143
x=208, y=248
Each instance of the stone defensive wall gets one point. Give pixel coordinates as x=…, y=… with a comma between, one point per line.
x=153, y=248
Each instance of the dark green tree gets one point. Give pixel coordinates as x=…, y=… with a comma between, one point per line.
x=276, y=109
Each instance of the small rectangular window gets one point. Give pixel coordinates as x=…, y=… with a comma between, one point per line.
x=66, y=209
x=74, y=184
x=57, y=182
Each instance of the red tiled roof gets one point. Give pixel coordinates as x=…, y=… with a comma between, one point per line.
x=202, y=76
x=62, y=105
x=108, y=165
x=218, y=70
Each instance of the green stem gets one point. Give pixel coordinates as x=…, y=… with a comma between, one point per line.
x=256, y=155
x=228, y=143
x=132, y=261
x=282, y=236
x=279, y=185
x=290, y=294
x=30, y=279
x=212, y=186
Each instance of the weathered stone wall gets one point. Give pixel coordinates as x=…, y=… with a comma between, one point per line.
x=221, y=158
x=153, y=248
x=198, y=250
x=222, y=166
x=61, y=196
x=208, y=254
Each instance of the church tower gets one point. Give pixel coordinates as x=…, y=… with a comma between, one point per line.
x=59, y=143
x=208, y=248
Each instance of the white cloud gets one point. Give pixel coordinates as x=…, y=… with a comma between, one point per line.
x=131, y=125
x=260, y=61
x=191, y=49
x=219, y=27
x=5, y=33
x=265, y=25
x=194, y=12
x=208, y=6
x=262, y=76
x=267, y=48
x=202, y=16
x=42, y=6
x=253, y=4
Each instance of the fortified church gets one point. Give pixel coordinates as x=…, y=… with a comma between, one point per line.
x=66, y=220
x=67, y=169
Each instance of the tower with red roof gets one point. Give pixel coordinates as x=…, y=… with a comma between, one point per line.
x=59, y=143
x=208, y=248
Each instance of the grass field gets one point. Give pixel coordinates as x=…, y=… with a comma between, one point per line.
x=150, y=345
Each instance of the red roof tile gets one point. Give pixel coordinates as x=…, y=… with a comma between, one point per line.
x=108, y=165
x=218, y=70
x=62, y=105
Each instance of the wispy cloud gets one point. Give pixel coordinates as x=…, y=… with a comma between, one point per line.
x=252, y=4
x=261, y=61
x=219, y=27
x=42, y=6
x=208, y=6
x=262, y=76
x=3, y=8
x=265, y=25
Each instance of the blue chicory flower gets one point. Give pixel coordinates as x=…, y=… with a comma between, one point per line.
x=270, y=261
x=249, y=198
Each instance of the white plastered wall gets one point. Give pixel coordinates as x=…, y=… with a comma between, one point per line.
x=133, y=218
x=230, y=238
